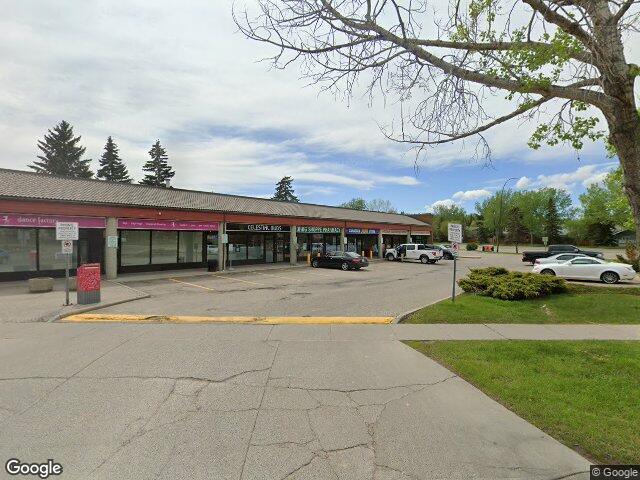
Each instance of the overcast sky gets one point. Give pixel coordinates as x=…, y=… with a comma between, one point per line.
x=180, y=72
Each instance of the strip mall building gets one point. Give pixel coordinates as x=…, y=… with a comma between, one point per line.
x=134, y=228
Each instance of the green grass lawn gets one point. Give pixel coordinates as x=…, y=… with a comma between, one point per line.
x=585, y=394
x=583, y=304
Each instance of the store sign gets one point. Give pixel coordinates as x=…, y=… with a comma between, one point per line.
x=395, y=232
x=258, y=227
x=362, y=231
x=48, y=221
x=318, y=229
x=135, y=224
x=421, y=232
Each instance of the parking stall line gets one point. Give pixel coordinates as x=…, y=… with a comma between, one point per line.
x=316, y=274
x=239, y=280
x=193, y=285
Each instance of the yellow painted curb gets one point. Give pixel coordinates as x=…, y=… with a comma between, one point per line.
x=106, y=317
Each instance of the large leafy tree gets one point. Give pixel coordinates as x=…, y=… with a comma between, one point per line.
x=565, y=57
x=62, y=154
x=158, y=168
x=515, y=225
x=284, y=191
x=355, y=204
x=111, y=165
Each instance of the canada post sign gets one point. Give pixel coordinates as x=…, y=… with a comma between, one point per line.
x=362, y=231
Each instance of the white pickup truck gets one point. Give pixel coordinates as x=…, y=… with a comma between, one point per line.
x=415, y=252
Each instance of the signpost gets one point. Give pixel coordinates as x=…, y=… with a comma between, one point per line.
x=67, y=232
x=545, y=240
x=455, y=236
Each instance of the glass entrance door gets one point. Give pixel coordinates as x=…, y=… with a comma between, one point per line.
x=269, y=245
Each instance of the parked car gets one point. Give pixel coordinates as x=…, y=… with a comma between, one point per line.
x=343, y=260
x=587, y=268
x=414, y=251
x=448, y=253
x=531, y=256
x=560, y=257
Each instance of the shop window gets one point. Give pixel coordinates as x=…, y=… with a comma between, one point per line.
x=18, y=249
x=333, y=243
x=255, y=248
x=164, y=247
x=49, y=247
x=212, y=245
x=134, y=247
x=237, y=246
x=190, y=247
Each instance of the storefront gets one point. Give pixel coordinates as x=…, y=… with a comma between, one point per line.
x=421, y=236
x=28, y=245
x=363, y=240
x=313, y=240
x=135, y=228
x=258, y=243
x=393, y=238
x=147, y=245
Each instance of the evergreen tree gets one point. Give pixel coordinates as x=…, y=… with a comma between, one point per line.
x=111, y=166
x=284, y=191
x=158, y=167
x=515, y=225
x=61, y=154
x=552, y=221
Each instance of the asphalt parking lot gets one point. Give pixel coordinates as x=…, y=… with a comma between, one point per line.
x=382, y=289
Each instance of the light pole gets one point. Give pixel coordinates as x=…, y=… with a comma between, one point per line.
x=499, y=226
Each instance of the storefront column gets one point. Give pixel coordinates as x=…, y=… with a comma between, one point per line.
x=111, y=252
x=380, y=243
x=293, y=246
x=222, y=247
x=343, y=239
x=408, y=238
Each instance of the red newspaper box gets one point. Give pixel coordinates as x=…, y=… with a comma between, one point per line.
x=88, y=283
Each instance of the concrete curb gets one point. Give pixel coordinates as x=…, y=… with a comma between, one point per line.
x=90, y=308
x=400, y=318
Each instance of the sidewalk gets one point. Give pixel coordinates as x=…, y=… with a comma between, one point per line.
x=19, y=306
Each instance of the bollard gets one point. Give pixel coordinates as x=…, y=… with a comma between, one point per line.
x=308, y=259
x=363, y=253
x=370, y=254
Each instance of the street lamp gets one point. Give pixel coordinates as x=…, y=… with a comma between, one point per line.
x=499, y=226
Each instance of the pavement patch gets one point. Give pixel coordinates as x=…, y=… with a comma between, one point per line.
x=125, y=318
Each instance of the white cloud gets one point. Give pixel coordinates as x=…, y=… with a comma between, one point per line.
x=447, y=202
x=471, y=195
x=523, y=183
x=586, y=175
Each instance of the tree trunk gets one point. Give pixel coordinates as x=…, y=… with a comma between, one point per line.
x=625, y=136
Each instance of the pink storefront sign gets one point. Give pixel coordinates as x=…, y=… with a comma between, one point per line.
x=48, y=221
x=136, y=224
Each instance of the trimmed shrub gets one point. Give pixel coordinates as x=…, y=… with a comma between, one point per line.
x=505, y=285
x=472, y=246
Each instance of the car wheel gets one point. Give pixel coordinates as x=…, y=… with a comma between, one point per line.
x=547, y=271
x=344, y=266
x=610, y=277
x=390, y=257
x=315, y=264
x=424, y=259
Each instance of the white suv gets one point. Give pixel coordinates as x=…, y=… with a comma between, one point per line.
x=414, y=251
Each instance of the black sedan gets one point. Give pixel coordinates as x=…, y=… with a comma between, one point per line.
x=343, y=260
